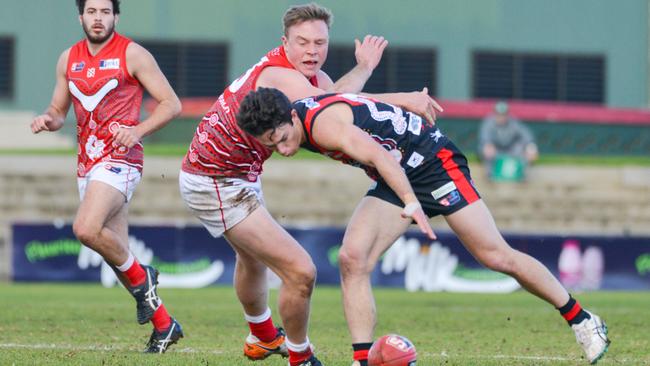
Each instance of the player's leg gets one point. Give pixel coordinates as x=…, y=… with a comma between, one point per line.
x=166, y=330
x=374, y=226
x=475, y=227
x=100, y=203
x=259, y=238
x=229, y=206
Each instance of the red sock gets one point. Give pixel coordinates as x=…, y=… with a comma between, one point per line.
x=135, y=274
x=264, y=331
x=361, y=352
x=296, y=358
x=161, y=319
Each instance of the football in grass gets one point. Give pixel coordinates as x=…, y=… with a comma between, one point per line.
x=392, y=350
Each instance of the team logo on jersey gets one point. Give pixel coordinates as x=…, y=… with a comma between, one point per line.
x=77, y=66
x=436, y=135
x=415, y=123
x=309, y=103
x=110, y=64
x=415, y=160
x=90, y=73
x=94, y=147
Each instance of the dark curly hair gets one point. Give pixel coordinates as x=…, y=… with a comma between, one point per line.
x=262, y=110
x=81, y=4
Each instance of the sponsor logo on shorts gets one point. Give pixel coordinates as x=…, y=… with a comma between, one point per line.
x=443, y=191
x=415, y=160
x=451, y=199
x=415, y=124
x=113, y=169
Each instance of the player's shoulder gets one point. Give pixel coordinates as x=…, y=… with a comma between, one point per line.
x=63, y=58
x=134, y=49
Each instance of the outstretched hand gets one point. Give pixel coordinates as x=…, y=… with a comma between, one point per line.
x=414, y=211
x=368, y=53
x=423, y=105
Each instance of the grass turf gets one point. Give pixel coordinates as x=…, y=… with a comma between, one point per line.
x=54, y=324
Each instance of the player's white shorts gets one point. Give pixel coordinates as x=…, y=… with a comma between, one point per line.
x=122, y=177
x=220, y=202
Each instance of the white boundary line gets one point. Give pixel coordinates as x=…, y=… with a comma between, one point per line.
x=68, y=347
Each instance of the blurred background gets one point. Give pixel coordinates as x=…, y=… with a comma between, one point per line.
x=576, y=73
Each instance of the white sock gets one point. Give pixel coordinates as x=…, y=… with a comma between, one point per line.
x=297, y=347
x=129, y=262
x=258, y=318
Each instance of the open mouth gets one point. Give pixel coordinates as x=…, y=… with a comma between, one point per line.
x=310, y=63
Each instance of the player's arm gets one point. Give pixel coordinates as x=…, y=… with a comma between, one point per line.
x=418, y=102
x=142, y=65
x=291, y=82
x=333, y=130
x=54, y=116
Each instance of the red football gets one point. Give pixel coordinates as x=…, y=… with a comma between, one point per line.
x=392, y=350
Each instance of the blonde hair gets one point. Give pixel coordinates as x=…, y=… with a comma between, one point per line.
x=302, y=13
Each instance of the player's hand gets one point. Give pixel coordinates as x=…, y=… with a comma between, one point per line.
x=423, y=105
x=414, y=211
x=44, y=122
x=368, y=53
x=127, y=136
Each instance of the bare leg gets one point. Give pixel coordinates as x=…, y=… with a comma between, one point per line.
x=250, y=283
x=101, y=222
x=475, y=227
x=374, y=226
x=260, y=242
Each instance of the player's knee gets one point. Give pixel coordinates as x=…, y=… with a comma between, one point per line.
x=352, y=262
x=84, y=232
x=500, y=260
x=303, y=278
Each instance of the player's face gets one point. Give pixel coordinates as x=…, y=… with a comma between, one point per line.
x=98, y=20
x=306, y=46
x=285, y=139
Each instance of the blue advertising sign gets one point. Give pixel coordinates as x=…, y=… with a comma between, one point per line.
x=187, y=256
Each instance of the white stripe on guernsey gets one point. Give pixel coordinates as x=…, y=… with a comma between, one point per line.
x=90, y=102
x=258, y=318
x=208, y=165
x=126, y=265
x=226, y=130
x=216, y=148
x=240, y=165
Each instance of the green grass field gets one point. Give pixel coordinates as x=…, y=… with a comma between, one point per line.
x=54, y=324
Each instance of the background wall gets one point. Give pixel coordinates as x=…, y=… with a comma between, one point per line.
x=616, y=29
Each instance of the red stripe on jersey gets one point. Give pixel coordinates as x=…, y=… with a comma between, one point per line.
x=464, y=186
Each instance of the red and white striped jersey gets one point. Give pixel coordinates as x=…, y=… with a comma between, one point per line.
x=219, y=146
